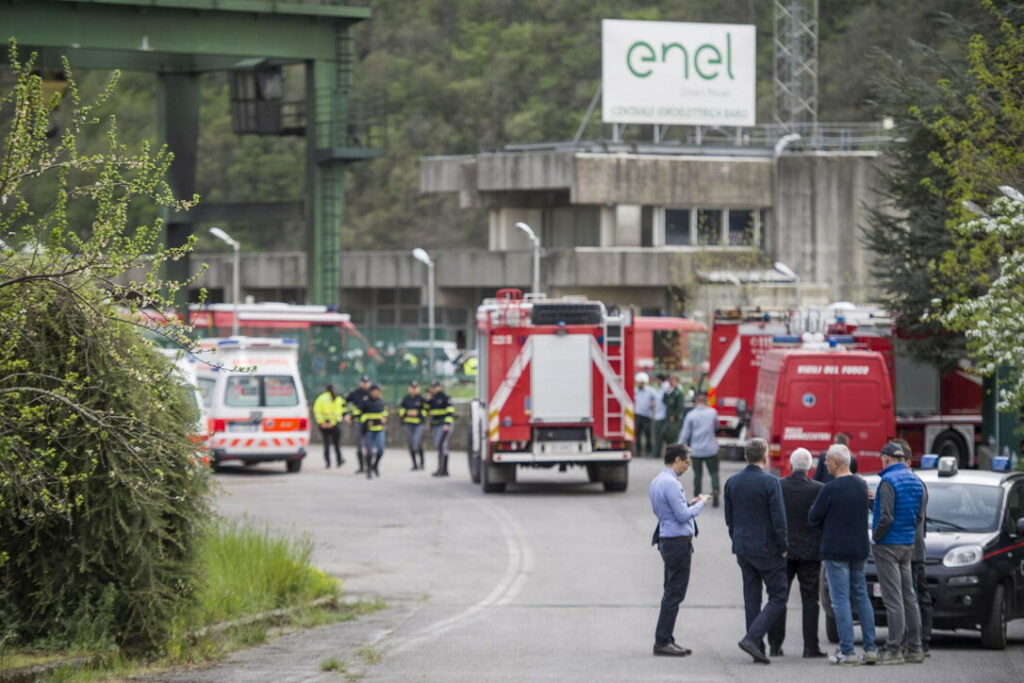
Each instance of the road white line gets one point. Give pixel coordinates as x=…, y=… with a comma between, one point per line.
x=517, y=569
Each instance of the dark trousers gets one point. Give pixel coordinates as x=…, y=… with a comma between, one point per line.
x=676, y=555
x=770, y=571
x=808, y=575
x=924, y=602
x=358, y=437
x=699, y=464
x=644, y=438
x=332, y=436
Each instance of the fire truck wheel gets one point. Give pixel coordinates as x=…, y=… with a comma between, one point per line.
x=293, y=465
x=486, y=473
x=951, y=443
x=619, y=482
x=474, y=467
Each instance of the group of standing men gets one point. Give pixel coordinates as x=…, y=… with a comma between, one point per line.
x=786, y=529
x=367, y=412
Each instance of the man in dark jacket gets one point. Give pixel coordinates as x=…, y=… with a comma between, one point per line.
x=756, y=517
x=841, y=510
x=442, y=415
x=353, y=406
x=804, y=558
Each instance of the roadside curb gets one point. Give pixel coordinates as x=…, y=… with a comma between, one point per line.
x=26, y=674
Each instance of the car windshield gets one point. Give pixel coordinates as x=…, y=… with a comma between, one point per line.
x=963, y=507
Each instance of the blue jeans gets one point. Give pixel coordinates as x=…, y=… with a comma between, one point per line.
x=846, y=586
x=374, y=442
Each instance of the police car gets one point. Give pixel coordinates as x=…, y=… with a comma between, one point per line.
x=974, y=550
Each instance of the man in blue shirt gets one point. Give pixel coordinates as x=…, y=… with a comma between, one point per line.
x=677, y=525
x=698, y=433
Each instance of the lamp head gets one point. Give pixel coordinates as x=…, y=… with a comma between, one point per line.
x=223, y=237
x=785, y=270
x=528, y=230
x=422, y=256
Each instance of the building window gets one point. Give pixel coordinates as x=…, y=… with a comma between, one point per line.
x=647, y=226
x=677, y=227
x=709, y=227
x=409, y=316
x=741, y=227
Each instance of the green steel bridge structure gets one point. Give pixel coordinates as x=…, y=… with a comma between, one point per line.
x=179, y=40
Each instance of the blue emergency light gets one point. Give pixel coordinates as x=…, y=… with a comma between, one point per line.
x=929, y=461
x=1001, y=463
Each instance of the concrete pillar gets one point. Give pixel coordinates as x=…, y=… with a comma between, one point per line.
x=178, y=128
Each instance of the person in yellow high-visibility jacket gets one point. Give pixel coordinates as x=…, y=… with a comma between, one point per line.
x=328, y=410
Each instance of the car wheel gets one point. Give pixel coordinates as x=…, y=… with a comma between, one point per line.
x=293, y=466
x=831, y=630
x=950, y=443
x=993, y=631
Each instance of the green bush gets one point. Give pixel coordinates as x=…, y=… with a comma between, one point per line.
x=101, y=496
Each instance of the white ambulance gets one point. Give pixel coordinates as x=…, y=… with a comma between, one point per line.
x=253, y=396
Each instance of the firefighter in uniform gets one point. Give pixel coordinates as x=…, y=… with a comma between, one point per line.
x=442, y=415
x=414, y=410
x=373, y=417
x=328, y=411
x=354, y=402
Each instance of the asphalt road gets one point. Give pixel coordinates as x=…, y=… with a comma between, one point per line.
x=554, y=580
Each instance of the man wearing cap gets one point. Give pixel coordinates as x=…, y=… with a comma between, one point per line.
x=354, y=404
x=898, y=513
x=373, y=417
x=413, y=410
x=442, y=416
x=698, y=433
x=644, y=402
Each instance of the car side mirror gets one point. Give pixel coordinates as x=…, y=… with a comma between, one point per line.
x=1020, y=526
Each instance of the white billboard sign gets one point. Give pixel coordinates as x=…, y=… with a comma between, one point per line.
x=678, y=73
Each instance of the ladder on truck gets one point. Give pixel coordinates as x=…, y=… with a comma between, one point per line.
x=613, y=348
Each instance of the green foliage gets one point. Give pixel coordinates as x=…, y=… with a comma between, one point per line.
x=978, y=128
x=247, y=569
x=101, y=494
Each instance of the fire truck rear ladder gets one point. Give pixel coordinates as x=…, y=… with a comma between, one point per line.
x=613, y=348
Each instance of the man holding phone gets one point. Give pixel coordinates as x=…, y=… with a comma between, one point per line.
x=677, y=525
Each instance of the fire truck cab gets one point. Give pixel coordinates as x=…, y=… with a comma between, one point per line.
x=554, y=389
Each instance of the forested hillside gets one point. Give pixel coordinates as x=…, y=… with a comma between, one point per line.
x=465, y=75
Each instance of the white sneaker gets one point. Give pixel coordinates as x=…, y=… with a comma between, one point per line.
x=840, y=659
x=869, y=657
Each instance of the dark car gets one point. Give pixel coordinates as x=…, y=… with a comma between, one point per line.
x=974, y=559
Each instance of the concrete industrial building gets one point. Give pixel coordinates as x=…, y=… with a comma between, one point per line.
x=667, y=228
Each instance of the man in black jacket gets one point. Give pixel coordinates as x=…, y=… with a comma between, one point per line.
x=354, y=404
x=804, y=558
x=756, y=517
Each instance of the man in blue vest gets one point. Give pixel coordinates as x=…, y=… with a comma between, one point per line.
x=897, y=515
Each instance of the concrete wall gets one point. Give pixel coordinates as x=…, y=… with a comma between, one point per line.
x=824, y=202
x=672, y=180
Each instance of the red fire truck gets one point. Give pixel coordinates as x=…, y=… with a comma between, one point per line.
x=554, y=389
x=936, y=412
x=739, y=339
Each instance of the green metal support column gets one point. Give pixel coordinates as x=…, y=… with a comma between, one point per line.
x=178, y=128
x=328, y=84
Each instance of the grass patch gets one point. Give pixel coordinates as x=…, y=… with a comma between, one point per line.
x=333, y=664
x=369, y=654
x=246, y=570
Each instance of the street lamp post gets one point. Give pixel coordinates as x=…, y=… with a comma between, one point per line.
x=536, y=254
x=235, y=287
x=424, y=258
